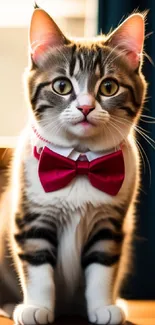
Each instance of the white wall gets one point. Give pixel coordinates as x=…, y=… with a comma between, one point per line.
x=13, y=60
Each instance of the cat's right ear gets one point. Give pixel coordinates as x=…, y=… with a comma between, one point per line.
x=44, y=33
x=129, y=38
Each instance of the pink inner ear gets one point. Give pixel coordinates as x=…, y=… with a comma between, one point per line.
x=38, y=50
x=129, y=36
x=130, y=49
x=133, y=58
x=43, y=33
x=39, y=47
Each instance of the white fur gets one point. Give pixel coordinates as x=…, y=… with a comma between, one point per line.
x=77, y=67
x=39, y=297
x=69, y=254
x=32, y=315
x=99, y=282
x=99, y=295
x=40, y=288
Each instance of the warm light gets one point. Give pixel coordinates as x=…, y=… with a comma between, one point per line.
x=123, y=305
x=18, y=12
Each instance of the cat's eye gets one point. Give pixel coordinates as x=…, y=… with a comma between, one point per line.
x=108, y=87
x=62, y=86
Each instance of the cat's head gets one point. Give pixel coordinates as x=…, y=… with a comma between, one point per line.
x=86, y=93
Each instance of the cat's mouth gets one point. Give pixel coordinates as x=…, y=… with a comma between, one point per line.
x=85, y=122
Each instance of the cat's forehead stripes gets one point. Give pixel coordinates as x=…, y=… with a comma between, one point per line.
x=86, y=66
x=85, y=59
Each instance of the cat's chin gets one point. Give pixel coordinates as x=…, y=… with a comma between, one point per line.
x=83, y=130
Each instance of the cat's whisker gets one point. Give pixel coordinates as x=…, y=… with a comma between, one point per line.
x=122, y=122
x=147, y=159
x=71, y=116
x=49, y=127
x=146, y=137
x=148, y=57
x=58, y=129
x=141, y=154
x=126, y=121
x=100, y=118
x=116, y=127
x=47, y=119
x=133, y=126
x=147, y=119
x=118, y=118
x=142, y=129
x=147, y=116
x=148, y=122
x=144, y=107
x=114, y=141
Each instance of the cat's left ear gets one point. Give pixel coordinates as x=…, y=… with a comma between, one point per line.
x=44, y=33
x=129, y=37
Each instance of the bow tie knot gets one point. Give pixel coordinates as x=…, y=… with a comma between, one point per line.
x=82, y=167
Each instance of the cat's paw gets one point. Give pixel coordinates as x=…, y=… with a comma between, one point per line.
x=107, y=315
x=32, y=315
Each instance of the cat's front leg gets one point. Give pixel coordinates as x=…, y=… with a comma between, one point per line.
x=100, y=260
x=36, y=250
x=39, y=297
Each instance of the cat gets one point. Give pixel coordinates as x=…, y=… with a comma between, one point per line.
x=76, y=171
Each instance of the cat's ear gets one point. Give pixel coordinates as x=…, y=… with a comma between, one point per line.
x=129, y=38
x=43, y=33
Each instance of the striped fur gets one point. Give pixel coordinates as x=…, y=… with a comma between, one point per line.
x=59, y=236
x=89, y=58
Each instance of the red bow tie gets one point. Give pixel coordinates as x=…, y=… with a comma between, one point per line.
x=106, y=173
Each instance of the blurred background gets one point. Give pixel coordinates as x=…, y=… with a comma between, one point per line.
x=74, y=17
x=82, y=18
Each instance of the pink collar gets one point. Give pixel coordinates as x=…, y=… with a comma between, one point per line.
x=70, y=152
x=39, y=136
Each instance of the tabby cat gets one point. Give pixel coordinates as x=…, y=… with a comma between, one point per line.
x=76, y=171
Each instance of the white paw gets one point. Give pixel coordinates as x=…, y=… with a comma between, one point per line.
x=32, y=315
x=107, y=315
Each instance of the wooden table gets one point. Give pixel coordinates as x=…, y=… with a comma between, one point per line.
x=139, y=313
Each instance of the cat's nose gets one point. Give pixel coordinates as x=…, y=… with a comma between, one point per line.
x=86, y=109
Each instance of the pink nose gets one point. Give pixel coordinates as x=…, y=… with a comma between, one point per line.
x=86, y=109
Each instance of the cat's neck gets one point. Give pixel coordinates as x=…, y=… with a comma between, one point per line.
x=39, y=140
